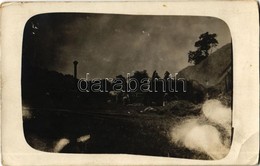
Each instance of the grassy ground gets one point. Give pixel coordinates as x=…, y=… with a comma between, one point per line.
x=137, y=132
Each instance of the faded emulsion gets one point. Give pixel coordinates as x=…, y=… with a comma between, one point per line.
x=128, y=84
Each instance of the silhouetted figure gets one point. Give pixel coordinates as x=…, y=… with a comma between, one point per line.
x=126, y=99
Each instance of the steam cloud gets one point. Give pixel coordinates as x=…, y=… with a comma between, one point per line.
x=218, y=113
x=61, y=144
x=201, y=135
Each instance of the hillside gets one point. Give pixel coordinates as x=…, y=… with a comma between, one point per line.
x=211, y=70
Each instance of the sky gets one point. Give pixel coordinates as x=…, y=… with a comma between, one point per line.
x=107, y=45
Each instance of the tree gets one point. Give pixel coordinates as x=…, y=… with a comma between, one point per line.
x=204, y=44
x=166, y=75
x=155, y=75
x=139, y=75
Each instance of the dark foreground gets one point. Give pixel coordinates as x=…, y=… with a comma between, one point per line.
x=129, y=132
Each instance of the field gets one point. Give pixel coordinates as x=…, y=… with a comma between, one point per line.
x=134, y=130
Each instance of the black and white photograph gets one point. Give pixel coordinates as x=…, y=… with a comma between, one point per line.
x=153, y=85
x=130, y=83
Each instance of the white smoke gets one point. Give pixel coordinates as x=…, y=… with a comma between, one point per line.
x=83, y=138
x=61, y=144
x=218, y=113
x=199, y=134
x=26, y=113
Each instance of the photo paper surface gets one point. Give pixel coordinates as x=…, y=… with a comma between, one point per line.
x=130, y=83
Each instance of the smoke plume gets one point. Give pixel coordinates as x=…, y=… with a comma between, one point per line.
x=199, y=133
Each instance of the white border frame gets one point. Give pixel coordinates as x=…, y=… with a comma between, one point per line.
x=242, y=20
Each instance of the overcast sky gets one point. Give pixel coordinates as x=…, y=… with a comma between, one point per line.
x=109, y=45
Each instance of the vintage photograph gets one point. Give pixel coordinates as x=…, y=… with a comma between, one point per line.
x=154, y=85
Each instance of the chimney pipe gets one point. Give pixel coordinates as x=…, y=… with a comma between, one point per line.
x=75, y=68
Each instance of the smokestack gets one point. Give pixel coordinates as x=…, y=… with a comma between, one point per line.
x=75, y=68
